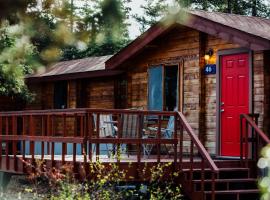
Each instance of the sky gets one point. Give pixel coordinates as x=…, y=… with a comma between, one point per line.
x=135, y=9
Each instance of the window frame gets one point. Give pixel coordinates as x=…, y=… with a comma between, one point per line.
x=180, y=82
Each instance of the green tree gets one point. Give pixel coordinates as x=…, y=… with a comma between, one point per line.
x=103, y=25
x=152, y=12
x=31, y=36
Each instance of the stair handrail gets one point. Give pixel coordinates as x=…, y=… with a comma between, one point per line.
x=257, y=136
x=198, y=143
x=256, y=128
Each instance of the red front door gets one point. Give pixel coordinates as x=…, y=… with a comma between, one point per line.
x=234, y=100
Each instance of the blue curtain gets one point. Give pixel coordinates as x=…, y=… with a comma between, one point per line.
x=155, y=99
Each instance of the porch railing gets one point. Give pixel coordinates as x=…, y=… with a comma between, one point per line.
x=252, y=138
x=22, y=132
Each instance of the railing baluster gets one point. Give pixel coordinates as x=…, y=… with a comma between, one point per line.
x=246, y=144
x=81, y=131
x=159, y=138
x=31, y=133
x=85, y=131
x=241, y=140
x=14, y=143
x=23, y=142
x=191, y=160
x=140, y=139
x=202, y=174
x=7, y=144
x=52, y=133
x=97, y=144
x=64, y=145
x=91, y=129
x=181, y=145
x=75, y=134
x=213, y=185
x=175, y=137
x=43, y=135
x=119, y=135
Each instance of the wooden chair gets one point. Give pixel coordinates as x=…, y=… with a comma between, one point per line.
x=107, y=129
x=166, y=133
x=132, y=127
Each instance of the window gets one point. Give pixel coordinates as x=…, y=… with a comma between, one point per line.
x=163, y=90
x=60, y=95
x=155, y=100
x=81, y=93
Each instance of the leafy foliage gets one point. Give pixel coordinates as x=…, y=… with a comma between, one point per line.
x=16, y=61
x=264, y=165
x=53, y=30
x=104, y=182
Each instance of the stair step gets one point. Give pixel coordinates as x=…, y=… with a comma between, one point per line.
x=226, y=184
x=234, y=194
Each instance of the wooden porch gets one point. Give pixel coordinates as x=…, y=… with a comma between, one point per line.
x=134, y=138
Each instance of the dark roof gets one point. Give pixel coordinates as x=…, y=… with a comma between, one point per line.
x=249, y=32
x=253, y=25
x=75, y=66
x=81, y=68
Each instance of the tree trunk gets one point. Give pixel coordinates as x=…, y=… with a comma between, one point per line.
x=204, y=5
x=71, y=15
x=229, y=6
x=254, y=7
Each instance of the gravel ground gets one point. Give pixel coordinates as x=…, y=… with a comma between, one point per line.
x=19, y=188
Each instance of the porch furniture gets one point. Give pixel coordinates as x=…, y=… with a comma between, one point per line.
x=166, y=133
x=107, y=129
x=131, y=128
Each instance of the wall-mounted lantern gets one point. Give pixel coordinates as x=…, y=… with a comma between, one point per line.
x=208, y=55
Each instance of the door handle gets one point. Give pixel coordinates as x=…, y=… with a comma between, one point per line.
x=222, y=103
x=222, y=110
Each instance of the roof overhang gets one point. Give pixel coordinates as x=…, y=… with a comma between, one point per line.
x=193, y=21
x=72, y=76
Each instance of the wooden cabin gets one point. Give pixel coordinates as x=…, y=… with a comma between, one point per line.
x=210, y=66
x=200, y=62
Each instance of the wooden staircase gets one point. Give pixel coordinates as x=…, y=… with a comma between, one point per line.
x=230, y=184
x=225, y=179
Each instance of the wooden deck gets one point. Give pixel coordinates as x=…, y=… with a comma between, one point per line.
x=77, y=137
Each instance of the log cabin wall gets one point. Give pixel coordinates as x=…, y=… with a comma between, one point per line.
x=179, y=46
x=266, y=91
x=184, y=44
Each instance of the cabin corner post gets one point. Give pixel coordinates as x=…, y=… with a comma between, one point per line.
x=202, y=102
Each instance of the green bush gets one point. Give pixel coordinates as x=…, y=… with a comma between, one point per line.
x=108, y=182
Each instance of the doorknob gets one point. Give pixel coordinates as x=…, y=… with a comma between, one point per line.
x=222, y=110
x=222, y=103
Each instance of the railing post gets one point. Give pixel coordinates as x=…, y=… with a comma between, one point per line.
x=64, y=145
x=98, y=129
x=175, y=138
x=159, y=138
x=181, y=144
x=14, y=143
x=213, y=185
x=246, y=143
x=7, y=144
x=202, y=174
x=90, y=134
x=241, y=139
x=191, y=160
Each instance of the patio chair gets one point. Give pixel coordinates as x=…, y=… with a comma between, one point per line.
x=130, y=129
x=107, y=129
x=166, y=133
